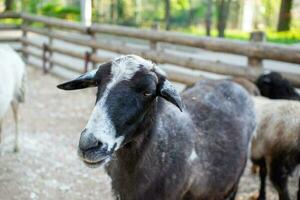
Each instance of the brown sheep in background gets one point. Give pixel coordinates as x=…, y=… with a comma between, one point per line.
x=276, y=142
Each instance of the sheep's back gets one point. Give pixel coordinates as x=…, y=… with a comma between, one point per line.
x=278, y=126
x=224, y=114
x=217, y=104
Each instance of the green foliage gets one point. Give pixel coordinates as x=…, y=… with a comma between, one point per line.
x=31, y=6
x=126, y=13
x=288, y=37
x=11, y=21
x=53, y=9
x=181, y=18
x=268, y=8
x=59, y=11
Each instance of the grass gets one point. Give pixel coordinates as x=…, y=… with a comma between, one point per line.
x=11, y=21
x=288, y=37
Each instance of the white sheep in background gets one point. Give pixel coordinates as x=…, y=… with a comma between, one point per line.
x=12, y=78
x=276, y=143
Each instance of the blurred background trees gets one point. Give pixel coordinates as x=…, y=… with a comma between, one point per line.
x=9, y=5
x=285, y=15
x=222, y=18
x=222, y=11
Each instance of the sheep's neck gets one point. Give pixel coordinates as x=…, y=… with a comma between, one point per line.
x=143, y=132
x=132, y=151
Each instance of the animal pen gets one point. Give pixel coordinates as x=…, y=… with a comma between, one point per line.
x=47, y=166
x=96, y=37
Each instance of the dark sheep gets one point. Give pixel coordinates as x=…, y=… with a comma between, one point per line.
x=274, y=86
x=152, y=150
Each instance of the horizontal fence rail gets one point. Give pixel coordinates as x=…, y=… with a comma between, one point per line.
x=58, y=23
x=249, y=49
x=11, y=15
x=159, y=57
x=8, y=27
x=85, y=36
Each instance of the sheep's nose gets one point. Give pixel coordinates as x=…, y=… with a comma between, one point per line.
x=88, y=141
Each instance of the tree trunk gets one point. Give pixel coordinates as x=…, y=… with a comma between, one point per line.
x=86, y=12
x=120, y=9
x=167, y=14
x=223, y=9
x=190, y=13
x=9, y=5
x=285, y=15
x=111, y=11
x=138, y=11
x=208, y=17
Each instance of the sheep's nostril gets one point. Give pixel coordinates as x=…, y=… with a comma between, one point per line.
x=88, y=141
x=99, y=144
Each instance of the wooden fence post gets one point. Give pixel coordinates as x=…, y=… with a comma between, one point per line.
x=153, y=44
x=24, y=35
x=46, y=58
x=93, y=52
x=50, y=44
x=256, y=36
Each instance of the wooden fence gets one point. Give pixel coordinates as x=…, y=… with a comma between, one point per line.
x=9, y=27
x=78, y=34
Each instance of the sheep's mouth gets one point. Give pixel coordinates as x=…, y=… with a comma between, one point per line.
x=94, y=158
x=95, y=164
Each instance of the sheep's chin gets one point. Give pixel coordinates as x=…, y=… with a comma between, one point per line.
x=96, y=164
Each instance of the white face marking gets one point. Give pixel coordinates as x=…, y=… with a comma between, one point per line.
x=193, y=156
x=99, y=124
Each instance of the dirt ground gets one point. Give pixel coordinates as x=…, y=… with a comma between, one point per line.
x=47, y=166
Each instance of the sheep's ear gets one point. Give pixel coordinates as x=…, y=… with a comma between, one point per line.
x=83, y=81
x=167, y=91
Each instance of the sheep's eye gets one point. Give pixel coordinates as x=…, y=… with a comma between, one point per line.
x=147, y=93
